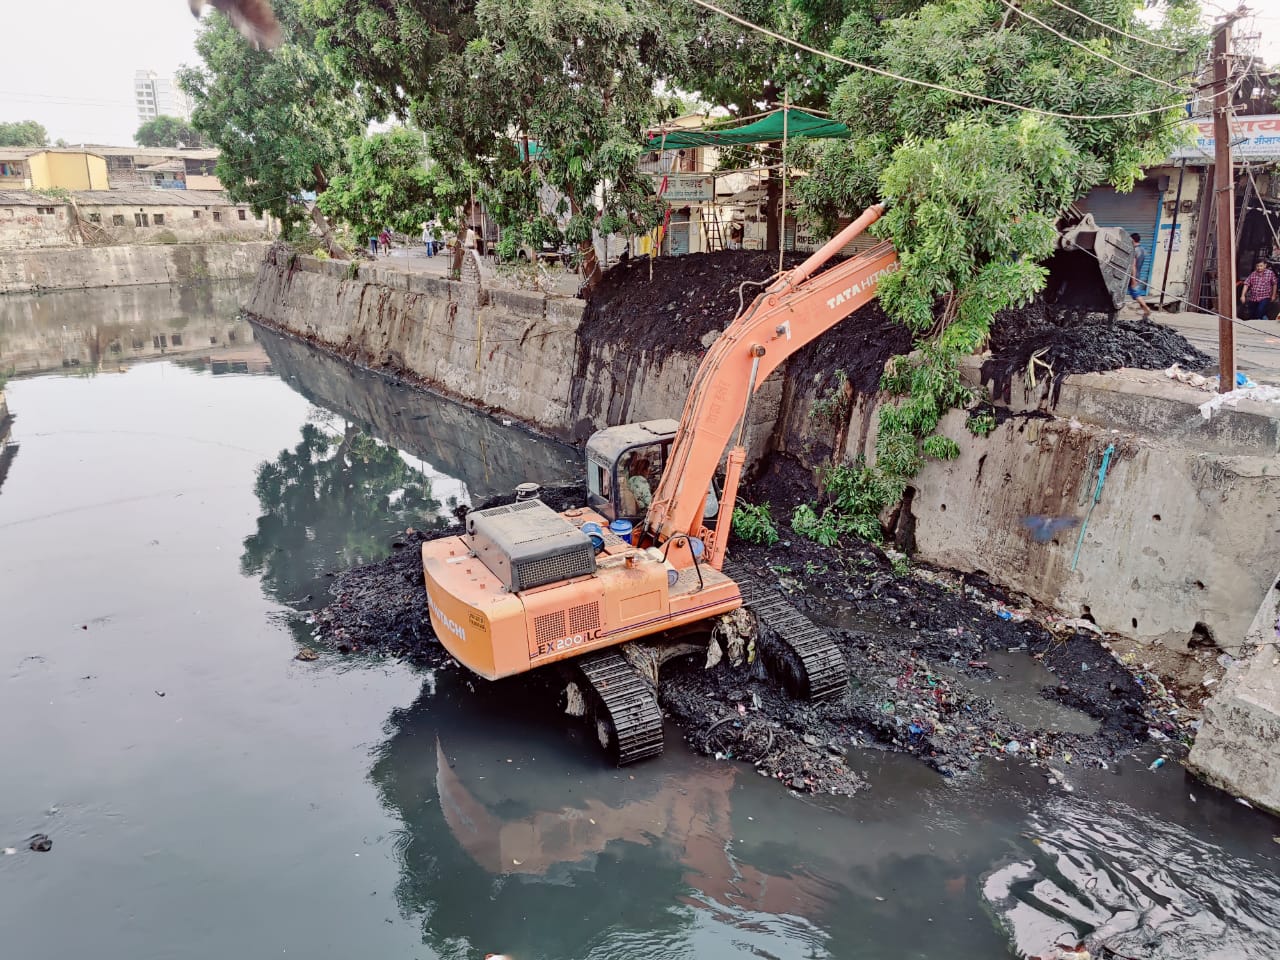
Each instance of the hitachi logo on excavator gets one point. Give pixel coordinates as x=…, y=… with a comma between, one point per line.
x=867, y=283
x=450, y=625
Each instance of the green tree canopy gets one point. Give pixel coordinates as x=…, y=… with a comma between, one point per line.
x=166, y=131
x=515, y=97
x=23, y=133
x=385, y=184
x=280, y=118
x=978, y=187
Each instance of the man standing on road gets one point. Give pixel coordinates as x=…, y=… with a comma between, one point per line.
x=1135, y=273
x=1258, y=292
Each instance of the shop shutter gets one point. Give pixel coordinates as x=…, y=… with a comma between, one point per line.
x=1136, y=212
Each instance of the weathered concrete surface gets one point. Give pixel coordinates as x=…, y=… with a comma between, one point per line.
x=508, y=351
x=1185, y=532
x=29, y=271
x=1238, y=747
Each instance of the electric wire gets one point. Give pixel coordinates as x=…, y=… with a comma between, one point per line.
x=922, y=83
x=1087, y=49
x=1107, y=26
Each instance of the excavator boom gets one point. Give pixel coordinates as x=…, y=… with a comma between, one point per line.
x=796, y=308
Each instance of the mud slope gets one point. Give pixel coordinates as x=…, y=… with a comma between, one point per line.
x=920, y=653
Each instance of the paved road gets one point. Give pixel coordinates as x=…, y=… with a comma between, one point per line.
x=1257, y=343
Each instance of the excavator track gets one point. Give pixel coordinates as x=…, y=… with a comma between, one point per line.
x=810, y=664
x=627, y=717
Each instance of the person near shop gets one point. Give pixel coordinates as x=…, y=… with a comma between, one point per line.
x=1135, y=273
x=1258, y=291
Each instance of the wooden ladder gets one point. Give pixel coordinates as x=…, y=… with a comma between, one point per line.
x=711, y=229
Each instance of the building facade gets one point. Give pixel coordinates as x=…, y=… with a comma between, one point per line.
x=34, y=168
x=108, y=217
x=157, y=96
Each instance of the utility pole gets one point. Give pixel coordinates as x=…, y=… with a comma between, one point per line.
x=1225, y=183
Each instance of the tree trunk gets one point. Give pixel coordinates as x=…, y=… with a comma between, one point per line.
x=591, y=272
x=336, y=249
x=772, y=212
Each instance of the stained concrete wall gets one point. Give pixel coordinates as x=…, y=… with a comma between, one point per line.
x=1184, y=533
x=508, y=351
x=29, y=271
x=1238, y=747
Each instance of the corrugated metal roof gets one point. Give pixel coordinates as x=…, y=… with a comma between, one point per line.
x=150, y=153
x=17, y=153
x=25, y=198
x=152, y=198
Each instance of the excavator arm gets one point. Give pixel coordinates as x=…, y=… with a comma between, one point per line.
x=796, y=308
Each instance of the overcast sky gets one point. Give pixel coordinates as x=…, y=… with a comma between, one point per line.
x=69, y=64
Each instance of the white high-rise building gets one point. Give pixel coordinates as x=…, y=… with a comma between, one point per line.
x=158, y=96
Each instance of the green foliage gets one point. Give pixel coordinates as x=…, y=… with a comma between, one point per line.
x=981, y=421
x=386, y=184
x=514, y=97
x=754, y=523
x=976, y=189
x=166, y=131
x=23, y=133
x=833, y=406
x=280, y=118
x=901, y=565
x=824, y=529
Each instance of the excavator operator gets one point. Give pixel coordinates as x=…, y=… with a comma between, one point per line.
x=639, y=482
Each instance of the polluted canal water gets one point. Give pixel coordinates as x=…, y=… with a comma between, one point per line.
x=170, y=516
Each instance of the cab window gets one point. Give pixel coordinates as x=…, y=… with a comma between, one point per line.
x=639, y=470
x=598, y=479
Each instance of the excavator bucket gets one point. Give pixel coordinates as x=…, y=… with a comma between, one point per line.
x=1090, y=270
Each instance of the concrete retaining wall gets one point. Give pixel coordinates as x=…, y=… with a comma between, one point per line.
x=33, y=270
x=1185, y=533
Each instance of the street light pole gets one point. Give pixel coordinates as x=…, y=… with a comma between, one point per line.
x=1225, y=182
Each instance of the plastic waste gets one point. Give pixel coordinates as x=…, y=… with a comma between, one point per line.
x=1013, y=746
x=1156, y=764
x=1004, y=614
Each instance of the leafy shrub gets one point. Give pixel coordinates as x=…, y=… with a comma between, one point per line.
x=755, y=523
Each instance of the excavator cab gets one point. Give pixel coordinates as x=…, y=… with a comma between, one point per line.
x=624, y=465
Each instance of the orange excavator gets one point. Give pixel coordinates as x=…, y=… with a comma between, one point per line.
x=525, y=587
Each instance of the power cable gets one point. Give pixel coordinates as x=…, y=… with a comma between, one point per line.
x=1087, y=49
x=922, y=83
x=1107, y=26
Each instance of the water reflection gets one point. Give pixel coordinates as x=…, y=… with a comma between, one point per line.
x=8, y=448
x=98, y=331
x=517, y=839
x=483, y=454
x=1134, y=885
x=332, y=502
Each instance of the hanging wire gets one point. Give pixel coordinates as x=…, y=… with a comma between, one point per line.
x=1087, y=49
x=922, y=83
x=1107, y=26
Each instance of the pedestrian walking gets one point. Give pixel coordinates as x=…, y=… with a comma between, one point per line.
x=1135, y=273
x=1258, y=291
x=373, y=245
x=385, y=239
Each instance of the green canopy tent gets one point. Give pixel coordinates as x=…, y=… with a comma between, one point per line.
x=795, y=124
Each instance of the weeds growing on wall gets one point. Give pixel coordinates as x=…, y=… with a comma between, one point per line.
x=754, y=523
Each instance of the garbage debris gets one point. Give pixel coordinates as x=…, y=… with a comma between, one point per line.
x=1262, y=394
x=40, y=842
x=306, y=654
x=1156, y=764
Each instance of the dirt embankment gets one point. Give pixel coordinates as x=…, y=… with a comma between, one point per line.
x=687, y=298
